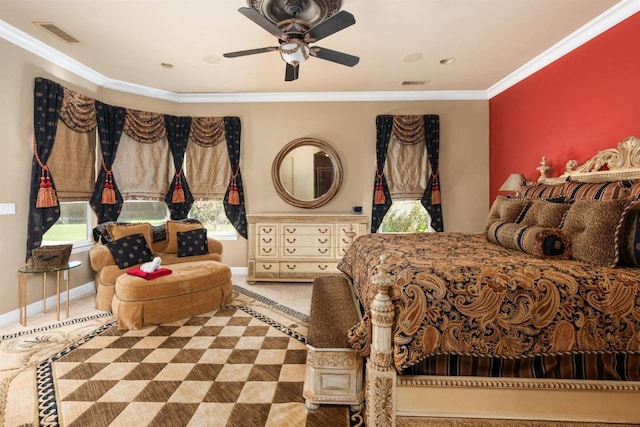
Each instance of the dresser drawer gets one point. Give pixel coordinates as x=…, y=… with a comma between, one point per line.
x=267, y=267
x=307, y=229
x=315, y=267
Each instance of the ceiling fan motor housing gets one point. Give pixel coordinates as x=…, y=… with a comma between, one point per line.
x=293, y=7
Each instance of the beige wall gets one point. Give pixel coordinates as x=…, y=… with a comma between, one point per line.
x=266, y=127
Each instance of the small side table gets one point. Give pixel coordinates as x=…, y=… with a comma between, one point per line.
x=22, y=284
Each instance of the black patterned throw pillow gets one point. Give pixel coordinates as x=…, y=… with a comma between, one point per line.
x=130, y=250
x=192, y=242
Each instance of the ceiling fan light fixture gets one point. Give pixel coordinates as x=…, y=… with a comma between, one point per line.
x=294, y=52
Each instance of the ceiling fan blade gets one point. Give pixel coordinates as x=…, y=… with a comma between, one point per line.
x=335, y=56
x=259, y=19
x=337, y=22
x=291, y=73
x=249, y=52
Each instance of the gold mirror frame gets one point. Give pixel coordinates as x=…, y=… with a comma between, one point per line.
x=337, y=173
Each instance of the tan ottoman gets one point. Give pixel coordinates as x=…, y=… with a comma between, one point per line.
x=192, y=288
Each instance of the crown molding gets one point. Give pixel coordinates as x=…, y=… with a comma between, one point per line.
x=595, y=27
x=611, y=17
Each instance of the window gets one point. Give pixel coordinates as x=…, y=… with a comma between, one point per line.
x=151, y=211
x=211, y=214
x=74, y=224
x=406, y=216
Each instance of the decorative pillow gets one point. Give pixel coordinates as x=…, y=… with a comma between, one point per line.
x=173, y=227
x=538, y=241
x=596, y=191
x=538, y=191
x=118, y=230
x=594, y=227
x=505, y=209
x=193, y=242
x=130, y=250
x=101, y=232
x=544, y=213
x=630, y=238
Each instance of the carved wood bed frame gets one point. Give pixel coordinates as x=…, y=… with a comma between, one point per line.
x=389, y=395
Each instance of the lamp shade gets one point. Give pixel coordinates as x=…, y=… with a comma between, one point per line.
x=294, y=52
x=513, y=182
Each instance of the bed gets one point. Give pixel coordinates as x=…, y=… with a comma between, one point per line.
x=538, y=317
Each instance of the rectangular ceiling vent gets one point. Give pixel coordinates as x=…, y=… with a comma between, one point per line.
x=414, y=82
x=57, y=31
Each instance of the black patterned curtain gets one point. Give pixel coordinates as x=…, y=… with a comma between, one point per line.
x=381, y=196
x=179, y=198
x=234, y=197
x=106, y=200
x=44, y=209
x=431, y=198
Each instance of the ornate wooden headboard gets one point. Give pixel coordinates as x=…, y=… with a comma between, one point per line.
x=622, y=162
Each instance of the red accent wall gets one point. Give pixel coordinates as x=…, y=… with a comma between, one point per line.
x=584, y=102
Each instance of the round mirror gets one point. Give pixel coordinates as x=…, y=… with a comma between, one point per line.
x=307, y=173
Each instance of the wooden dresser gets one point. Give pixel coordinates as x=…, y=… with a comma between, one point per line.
x=299, y=248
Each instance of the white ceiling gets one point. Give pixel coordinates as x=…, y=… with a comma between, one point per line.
x=123, y=43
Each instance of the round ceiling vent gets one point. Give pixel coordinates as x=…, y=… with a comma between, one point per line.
x=312, y=11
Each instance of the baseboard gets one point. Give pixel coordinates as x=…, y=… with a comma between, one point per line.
x=13, y=317
x=241, y=271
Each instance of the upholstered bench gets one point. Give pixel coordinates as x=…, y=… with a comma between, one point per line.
x=192, y=288
x=334, y=373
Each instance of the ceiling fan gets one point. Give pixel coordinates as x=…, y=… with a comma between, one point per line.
x=295, y=35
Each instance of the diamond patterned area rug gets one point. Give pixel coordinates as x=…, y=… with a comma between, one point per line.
x=241, y=365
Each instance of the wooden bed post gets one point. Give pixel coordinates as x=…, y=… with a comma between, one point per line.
x=380, y=392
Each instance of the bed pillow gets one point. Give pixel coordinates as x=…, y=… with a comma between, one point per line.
x=595, y=227
x=541, y=242
x=541, y=191
x=192, y=242
x=118, y=230
x=506, y=210
x=597, y=191
x=543, y=213
x=130, y=250
x=630, y=238
x=173, y=227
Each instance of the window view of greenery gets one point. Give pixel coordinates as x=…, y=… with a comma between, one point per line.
x=151, y=211
x=211, y=214
x=72, y=224
x=406, y=216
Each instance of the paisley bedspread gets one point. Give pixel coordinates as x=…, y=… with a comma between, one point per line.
x=457, y=293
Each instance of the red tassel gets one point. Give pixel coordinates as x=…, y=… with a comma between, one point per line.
x=108, y=193
x=46, y=194
x=378, y=195
x=234, y=196
x=42, y=200
x=178, y=191
x=435, y=191
x=51, y=193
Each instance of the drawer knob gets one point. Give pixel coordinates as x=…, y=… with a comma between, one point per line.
x=267, y=230
x=323, y=230
x=323, y=241
x=267, y=240
x=289, y=250
x=267, y=267
x=291, y=267
x=323, y=250
x=289, y=240
x=266, y=250
x=323, y=267
x=291, y=230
